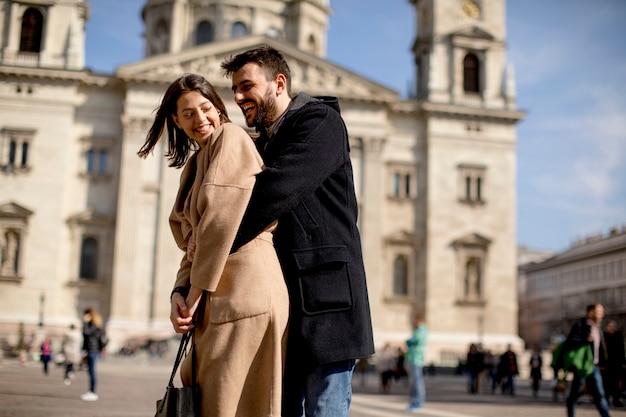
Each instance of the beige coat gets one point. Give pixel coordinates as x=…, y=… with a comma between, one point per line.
x=240, y=344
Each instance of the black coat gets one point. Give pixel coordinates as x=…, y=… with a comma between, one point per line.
x=308, y=186
x=579, y=336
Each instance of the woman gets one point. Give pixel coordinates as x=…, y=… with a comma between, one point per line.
x=71, y=350
x=240, y=328
x=46, y=354
x=92, y=333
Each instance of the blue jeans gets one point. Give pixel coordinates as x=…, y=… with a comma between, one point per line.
x=595, y=388
x=92, y=357
x=323, y=391
x=417, y=393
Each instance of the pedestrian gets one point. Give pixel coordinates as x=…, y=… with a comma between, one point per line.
x=586, y=334
x=363, y=368
x=415, y=358
x=489, y=369
x=71, y=350
x=308, y=186
x=508, y=370
x=536, y=362
x=473, y=365
x=615, y=363
x=399, y=369
x=385, y=365
x=237, y=305
x=45, y=354
x=92, y=345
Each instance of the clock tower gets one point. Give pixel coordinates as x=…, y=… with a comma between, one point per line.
x=466, y=274
x=460, y=53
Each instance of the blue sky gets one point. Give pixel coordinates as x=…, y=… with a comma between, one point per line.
x=570, y=65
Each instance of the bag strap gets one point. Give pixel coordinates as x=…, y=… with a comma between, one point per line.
x=182, y=349
x=184, y=342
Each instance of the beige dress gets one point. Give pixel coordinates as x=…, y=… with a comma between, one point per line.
x=241, y=342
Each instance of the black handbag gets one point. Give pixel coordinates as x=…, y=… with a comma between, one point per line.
x=180, y=402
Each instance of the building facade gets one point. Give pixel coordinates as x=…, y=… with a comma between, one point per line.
x=558, y=289
x=83, y=220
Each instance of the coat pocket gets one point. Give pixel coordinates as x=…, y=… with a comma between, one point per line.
x=243, y=290
x=324, y=279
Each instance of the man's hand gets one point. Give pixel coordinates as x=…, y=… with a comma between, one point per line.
x=180, y=317
x=191, y=248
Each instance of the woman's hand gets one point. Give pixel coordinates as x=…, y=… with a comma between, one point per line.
x=181, y=319
x=193, y=299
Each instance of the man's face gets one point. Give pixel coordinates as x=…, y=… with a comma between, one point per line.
x=255, y=95
x=597, y=314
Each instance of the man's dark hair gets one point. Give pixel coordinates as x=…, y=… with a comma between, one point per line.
x=269, y=59
x=591, y=307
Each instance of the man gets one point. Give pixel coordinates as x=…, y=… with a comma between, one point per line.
x=615, y=363
x=508, y=370
x=308, y=185
x=415, y=357
x=586, y=333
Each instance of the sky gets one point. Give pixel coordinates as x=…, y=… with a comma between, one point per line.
x=569, y=58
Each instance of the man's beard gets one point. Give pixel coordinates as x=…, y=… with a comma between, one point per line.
x=266, y=111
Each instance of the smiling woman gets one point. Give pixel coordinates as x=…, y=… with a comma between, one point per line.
x=246, y=304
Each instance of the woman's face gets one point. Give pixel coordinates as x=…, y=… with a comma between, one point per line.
x=196, y=116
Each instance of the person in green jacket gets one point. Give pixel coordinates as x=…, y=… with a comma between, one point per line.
x=586, y=333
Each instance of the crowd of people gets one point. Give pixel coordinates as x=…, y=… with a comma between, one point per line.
x=481, y=365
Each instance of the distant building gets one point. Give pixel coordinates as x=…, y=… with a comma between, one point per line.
x=558, y=289
x=83, y=220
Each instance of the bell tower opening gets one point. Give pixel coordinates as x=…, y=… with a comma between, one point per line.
x=32, y=29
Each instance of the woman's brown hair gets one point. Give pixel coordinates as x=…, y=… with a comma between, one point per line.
x=179, y=145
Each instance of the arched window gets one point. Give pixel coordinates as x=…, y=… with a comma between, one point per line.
x=238, y=30
x=89, y=259
x=471, y=70
x=32, y=29
x=312, y=44
x=204, y=32
x=160, y=40
x=400, y=276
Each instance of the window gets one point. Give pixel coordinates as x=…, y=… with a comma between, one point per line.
x=13, y=228
x=312, y=45
x=204, y=33
x=15, y=147
x=401, y=284
x=471, y=253
x=32, y=29
x=471, y=183
x=238, y=30
x=403, y=182
x=96, y=161
x=92, y=234
x=97, y=153
x=159, y=42
x=471, y=71
x=89, y=259
x=401, y=276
